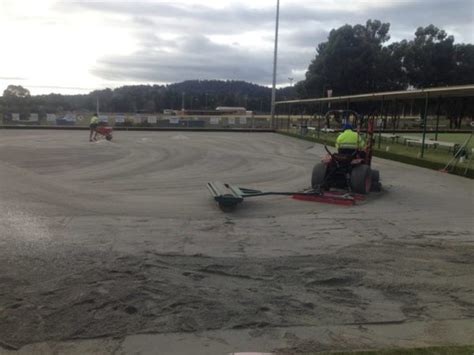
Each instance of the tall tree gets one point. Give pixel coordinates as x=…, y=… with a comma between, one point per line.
x=353, y=60
x=16, y=91
x=463, y=64
x=17, y=99
x=429, y=58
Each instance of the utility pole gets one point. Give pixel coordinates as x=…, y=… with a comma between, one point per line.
x=275, y=55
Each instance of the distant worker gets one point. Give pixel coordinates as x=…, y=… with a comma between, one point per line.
x=93, y=127
x=349, y=141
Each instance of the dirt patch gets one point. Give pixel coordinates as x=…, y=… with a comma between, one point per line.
x=89, y=295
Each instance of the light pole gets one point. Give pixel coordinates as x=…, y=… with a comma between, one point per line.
x=275, y=54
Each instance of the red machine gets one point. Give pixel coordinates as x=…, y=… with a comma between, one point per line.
x=105, y=131
x=348, y=171
x=350, y=174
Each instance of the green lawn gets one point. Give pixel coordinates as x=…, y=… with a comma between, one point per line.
x=449, y=137
x=388, y=148
x=439, y=154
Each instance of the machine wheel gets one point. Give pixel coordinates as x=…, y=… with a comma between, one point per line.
x=108, y=137
x=376, y=185
x=318, y=176
x=361, y=179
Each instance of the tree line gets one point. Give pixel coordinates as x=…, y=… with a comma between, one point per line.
x=193, y=94
x=354, y=59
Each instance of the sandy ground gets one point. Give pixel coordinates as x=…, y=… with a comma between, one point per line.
x=121, y=244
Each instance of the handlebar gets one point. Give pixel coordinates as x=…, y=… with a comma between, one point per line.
x=327, y=150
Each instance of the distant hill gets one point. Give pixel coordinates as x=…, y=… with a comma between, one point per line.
x=197, y=94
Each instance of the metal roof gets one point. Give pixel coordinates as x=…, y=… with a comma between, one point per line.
x=452, y=91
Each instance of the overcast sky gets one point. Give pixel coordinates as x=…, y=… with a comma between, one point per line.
x=77, y=46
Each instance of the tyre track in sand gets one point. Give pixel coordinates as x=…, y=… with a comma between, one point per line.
x=112, y=239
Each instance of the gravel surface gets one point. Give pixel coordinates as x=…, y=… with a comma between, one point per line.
x=111, y=239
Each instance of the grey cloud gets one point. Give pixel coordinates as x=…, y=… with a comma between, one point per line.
x=177, y=16
x=457, y=15
x=193, y=56
x=439, y=12
x=303, y=38
x=143, y=21
x=239, y=18
x=12, y=78
x=406, y=16
x=207, y=20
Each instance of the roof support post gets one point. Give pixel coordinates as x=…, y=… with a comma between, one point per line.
x=438, y=112
x=319, y=117
x=289, y=119
x=379, y=121
x=425, y=115
x=394, y=116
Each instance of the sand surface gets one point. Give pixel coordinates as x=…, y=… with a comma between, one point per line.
x=121, y=240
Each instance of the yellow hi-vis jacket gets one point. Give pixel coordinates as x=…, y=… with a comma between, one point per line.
x=349, y=140
x=95, y=120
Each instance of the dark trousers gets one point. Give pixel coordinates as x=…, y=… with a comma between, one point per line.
x=352, y=152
